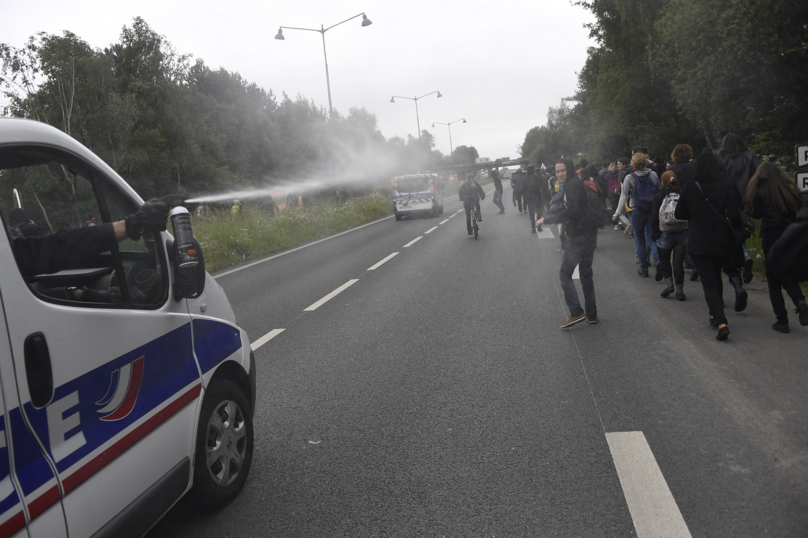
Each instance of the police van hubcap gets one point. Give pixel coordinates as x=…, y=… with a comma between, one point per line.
x=226, y=443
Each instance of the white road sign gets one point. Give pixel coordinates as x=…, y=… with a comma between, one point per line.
x=802, y=154
x=802, y=181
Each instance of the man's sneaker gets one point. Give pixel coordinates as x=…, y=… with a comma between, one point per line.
x=658, y=275
x=629, y=229
x=572, y=320
x=802, y=309
x=781, y=326
x=470, y=232
x=642, y=271
x=538, y=228
x=636, y=259
x=694, y=275
x=533, y=230
x=501, y=211
x=592, y=321
x=616, y=226
x=747, y=271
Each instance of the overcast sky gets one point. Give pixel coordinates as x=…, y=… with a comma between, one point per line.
x=499, y=65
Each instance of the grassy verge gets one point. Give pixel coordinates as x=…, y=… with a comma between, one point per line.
x=227, y=240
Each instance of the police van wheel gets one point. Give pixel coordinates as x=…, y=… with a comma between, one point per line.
x=224, y=445
x=398, y=217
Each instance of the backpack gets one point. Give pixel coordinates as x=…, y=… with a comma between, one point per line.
x=668, y=223
x=595, y=213
x=644, y=192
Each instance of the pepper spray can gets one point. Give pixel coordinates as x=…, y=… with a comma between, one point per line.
x=187, y=256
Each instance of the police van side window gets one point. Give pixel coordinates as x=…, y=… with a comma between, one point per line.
x=49, y=204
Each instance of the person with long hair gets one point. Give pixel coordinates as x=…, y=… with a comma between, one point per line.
x=670, y=235
x=772, y=197
x=709, y=202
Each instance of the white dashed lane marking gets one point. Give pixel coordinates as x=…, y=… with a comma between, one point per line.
x=431, y=230
x=650, y=502
x=331, y=295
x=388, y=258
x=414, y=241
x=266, y=338
x=444, y=221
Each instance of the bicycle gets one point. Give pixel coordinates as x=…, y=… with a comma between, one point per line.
x=474, y=217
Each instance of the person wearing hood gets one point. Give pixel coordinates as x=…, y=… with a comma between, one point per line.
x=518, y=180
x=670, y=235
x=639, y=188
x=533, y=197
x=740, y=165
x=710, y=204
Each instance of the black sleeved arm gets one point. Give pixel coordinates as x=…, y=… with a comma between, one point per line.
x=68, y=249
x=575, y=197
x=682, y=211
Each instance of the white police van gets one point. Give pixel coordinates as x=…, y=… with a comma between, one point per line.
x=417, y=194
x=110, y=411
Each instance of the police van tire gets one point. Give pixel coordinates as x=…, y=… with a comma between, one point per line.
x=398, y=217
x=224, y=444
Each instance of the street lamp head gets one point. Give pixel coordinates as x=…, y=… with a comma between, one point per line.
x=464, y=120
x=392, y=99
x=433, y=125
x=280, y=34
x=365, y=20
x=439, y=95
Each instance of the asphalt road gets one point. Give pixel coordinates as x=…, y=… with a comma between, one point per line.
x=437, y=396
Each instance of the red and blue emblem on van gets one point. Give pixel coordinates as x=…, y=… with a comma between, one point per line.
x=121, y=396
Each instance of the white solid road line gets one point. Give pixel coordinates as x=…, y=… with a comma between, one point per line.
x=414, y=241
x=545, y=233
x=266, y=338
x=443, y=221
x=242, y=267
x=652, y=506
x=388, y=258
x=431, y=230
x=331, y=295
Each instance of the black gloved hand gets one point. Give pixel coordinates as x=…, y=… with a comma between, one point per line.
x=150, y=218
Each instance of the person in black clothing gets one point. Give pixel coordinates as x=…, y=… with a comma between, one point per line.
x=670, y=236
x=773, y=198
x=471, y=193
x=580, y=246
x=533, y=197
x=518, y=180
x=497, y=189
x=711, y=242
x=72, y=249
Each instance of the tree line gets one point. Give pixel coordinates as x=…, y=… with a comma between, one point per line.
x=169, y=123
x=666, y=72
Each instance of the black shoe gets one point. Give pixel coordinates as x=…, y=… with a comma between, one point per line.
x=694, y=276
x=723, y=333
x=533, y=230
x=470, y=232
x=668, y=288
x=781, y=326
x=740, y=294
x=538, y=228
x=680, y=292
x=642, y=271
x=480, y=218
x=501, y=211
x=802, y=309
x=658, y=275
x=713, y=323
x=747, y=271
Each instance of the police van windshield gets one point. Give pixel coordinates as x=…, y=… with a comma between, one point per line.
x=412, y=184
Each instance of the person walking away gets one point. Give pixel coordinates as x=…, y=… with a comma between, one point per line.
x=683, y=168
x=639, y=188
x=518, y=184
x=471, y=193
x=772, y=197
x=582, y=230
x=497, y=189
x=740, y=165
x=614, y=188
x=670, y=235
x=533, y=197
x=710, y=203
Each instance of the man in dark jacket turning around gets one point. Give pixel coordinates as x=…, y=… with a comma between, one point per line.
x=580, y=247
x=471, y=193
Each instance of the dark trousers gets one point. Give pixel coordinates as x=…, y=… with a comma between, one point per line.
x=498, y=199
x=776, y=295
x=467, y=206
x=562, y=233
x=518, y=198
x=613, y=199
x=673, y=245
x=710, y=273
x=534, y=210
x=579, y=250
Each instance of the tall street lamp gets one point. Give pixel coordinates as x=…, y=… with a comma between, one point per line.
x=393, y=100
x=322, y=31
x=451, y=149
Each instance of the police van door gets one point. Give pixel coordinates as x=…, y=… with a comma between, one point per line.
x=103, y=356
x=27, y=470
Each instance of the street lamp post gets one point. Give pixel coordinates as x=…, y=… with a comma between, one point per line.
x=417, y=119
x=451, y=149
x=322, y=31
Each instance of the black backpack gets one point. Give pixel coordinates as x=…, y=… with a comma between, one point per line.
x=595, y=215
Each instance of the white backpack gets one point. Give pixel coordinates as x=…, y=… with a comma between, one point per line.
x=668, y=223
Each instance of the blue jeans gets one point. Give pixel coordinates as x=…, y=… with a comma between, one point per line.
x=579, y=251
x=642, y=223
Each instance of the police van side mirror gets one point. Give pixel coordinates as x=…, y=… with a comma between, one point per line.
x=189, y=282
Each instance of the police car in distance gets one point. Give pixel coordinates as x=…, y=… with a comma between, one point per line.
x=120, y=389
x=417, y=194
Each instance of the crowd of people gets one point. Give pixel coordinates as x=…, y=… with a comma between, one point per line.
x=684, y=213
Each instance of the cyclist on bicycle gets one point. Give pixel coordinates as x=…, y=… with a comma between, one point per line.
x=471, y=193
